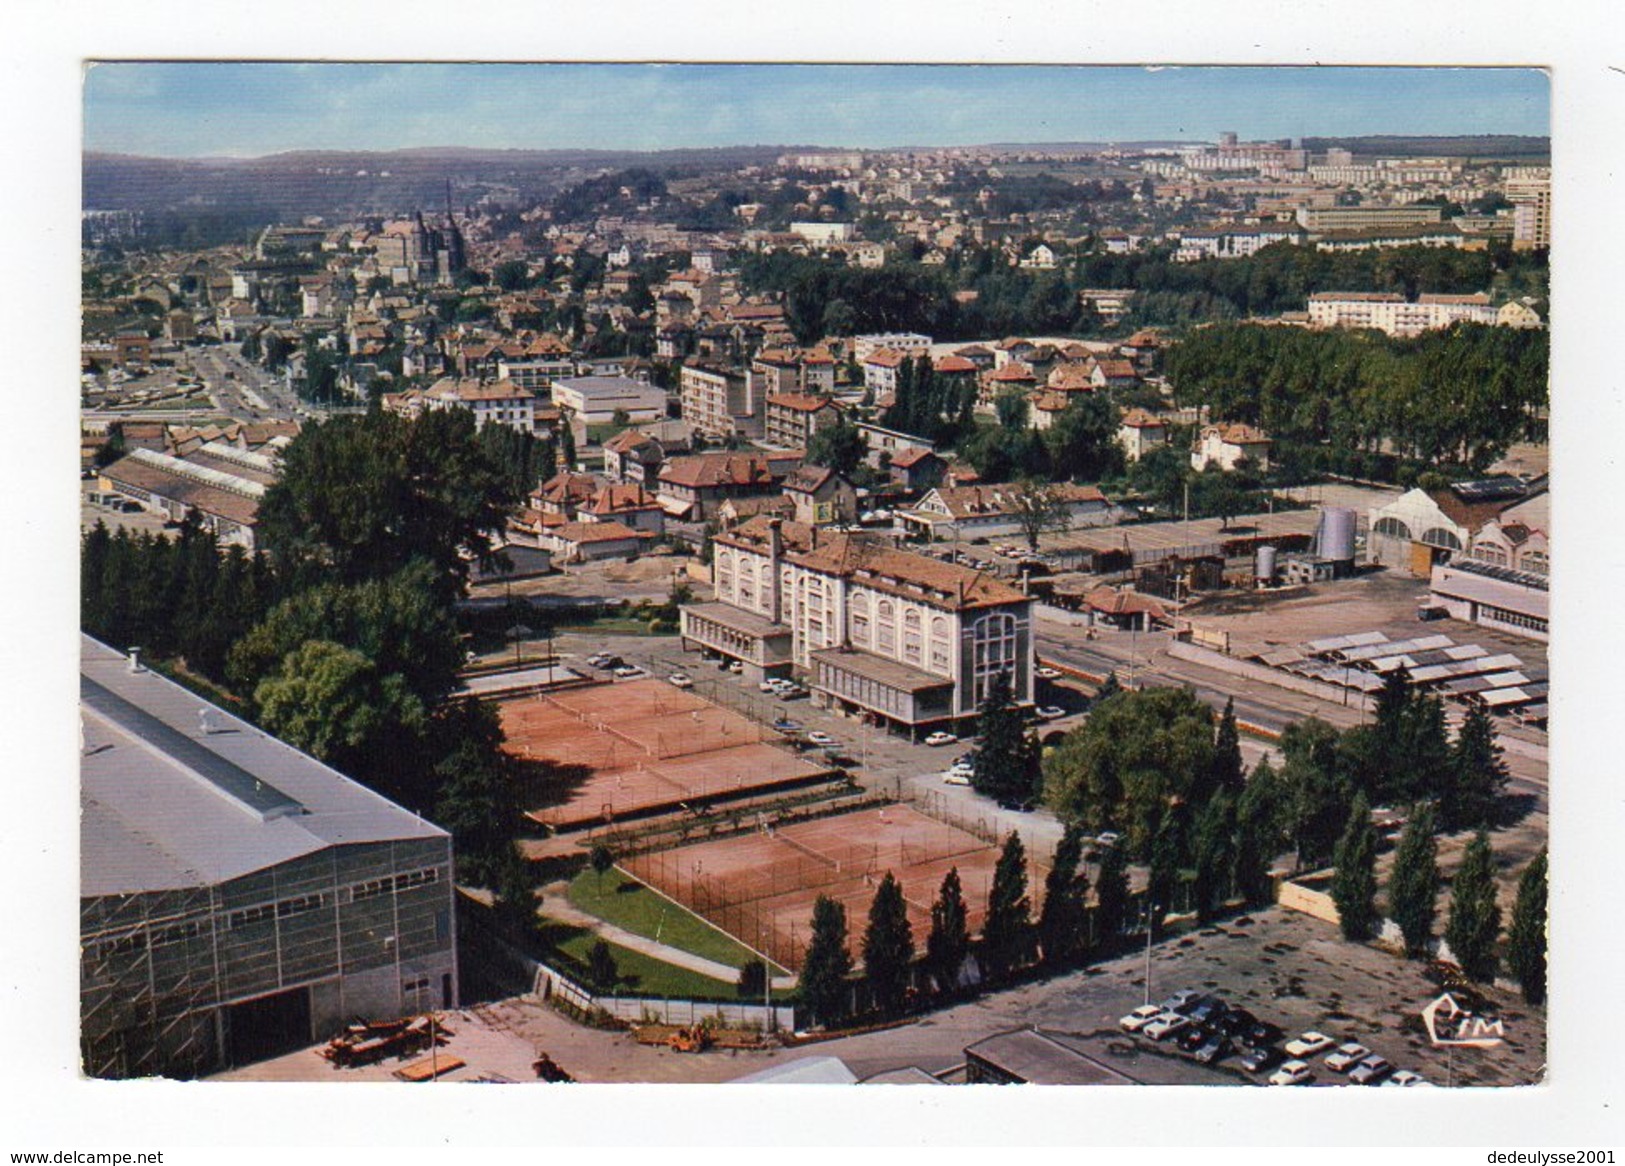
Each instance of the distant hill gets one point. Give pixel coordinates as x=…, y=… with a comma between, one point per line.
x=1482, y=147
x=338, y=183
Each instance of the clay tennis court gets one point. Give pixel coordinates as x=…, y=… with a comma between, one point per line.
x=640, y=747
x=760, y=887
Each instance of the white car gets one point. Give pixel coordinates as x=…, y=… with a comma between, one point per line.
x=1164, y=1026
x=1292, y=1073
x=771, y=684
x=963, y=768
x=822, y=739
x=1370, y=1071
x=954, y=777
x=1407, y=1079
x=680, y=679
x=1346, y=1057
x=1140, y=1017
x=736, y=666
x=1051, y=712
x=941, y=738
x=626, y=672
x=1309, y=1044
x=1048, y=674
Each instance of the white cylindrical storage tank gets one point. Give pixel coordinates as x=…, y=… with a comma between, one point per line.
x=1335, y=540
x=1264, y=565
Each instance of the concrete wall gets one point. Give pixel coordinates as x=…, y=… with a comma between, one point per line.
x=549, y=982
x=1330, y=693
x=1309, y=898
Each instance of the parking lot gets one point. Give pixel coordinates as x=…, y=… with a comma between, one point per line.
x=1290, y=970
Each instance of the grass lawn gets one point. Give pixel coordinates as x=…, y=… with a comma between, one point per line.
x=641, y=975
x=620, y=899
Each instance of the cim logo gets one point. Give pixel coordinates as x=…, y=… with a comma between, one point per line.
x=1449, y=1024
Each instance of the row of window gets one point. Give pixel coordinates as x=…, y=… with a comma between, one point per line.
x=1516, y=619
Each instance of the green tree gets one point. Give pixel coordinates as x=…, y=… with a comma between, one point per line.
x=1413, y=883
x=362, y=497
x=1479, y=773
x=1354, y=886
x=1212, y=855
x=602, y=860
x=752, y=983
x=1121, y=766
x=1315, y=789
x=1475, y=917
x=1259, y=839
x=1038, y=508
x=1227, y=767
x=824, y=971
x=948, y=941
x=1003, y=766
x=475, y=801
x=888, y=947
x=1007, y=932
x=1526, y=937
x=1169, y=847
x=332, y=702
x=839, y=447
x=1063, y=919
x=601, y=967
x=1111, y=895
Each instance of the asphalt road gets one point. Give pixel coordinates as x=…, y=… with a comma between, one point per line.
x=249, y=393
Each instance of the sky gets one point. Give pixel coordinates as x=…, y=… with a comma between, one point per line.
x=239, y=109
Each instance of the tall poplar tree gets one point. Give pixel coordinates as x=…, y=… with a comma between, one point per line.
x=1475, y=917
x=1007, y=934
x=949, y=940
x=1526, y=937
x=1354, y=885
x=888, y=947
x=1413, y=884
x=823, y=985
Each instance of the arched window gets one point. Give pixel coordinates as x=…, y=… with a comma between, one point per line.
x=1392, y=527
x=858, y=616
x=993, y=639
x=747, y=583
x=1535, y=561
x=886, y=628
x=764, y=573
x=725, y=576
x=1438, y=536
x=913, y=635
x=941, y=651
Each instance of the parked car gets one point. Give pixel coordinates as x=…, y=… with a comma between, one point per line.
x=1406, y=1079
x=1192, y=1038
x=1260, y=1058
x=1346, y=1057
x=1207, y=1010
x=1165, y=1026
x=1048, y=674
x=1309, y=1044
x=1050, y=712
x=602, y=660
x=1214, y=1049
x=1370, y=1071
x=791, y=692
x=626, y=672
x=963, y=768
x=1181, y=1002
x=1292, y=1073
x=954, y=777
x=680, y=679
x=941, y=738
x=821, y=739
x=1139, y=1018
x=736, y=666
x=771, y=684
x=1260, y=1033
x=1109, y=838
x=786, y=725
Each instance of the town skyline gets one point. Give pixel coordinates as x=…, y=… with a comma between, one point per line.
x=265, y=108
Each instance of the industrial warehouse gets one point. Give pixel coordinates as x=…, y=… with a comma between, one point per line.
x=238, y=899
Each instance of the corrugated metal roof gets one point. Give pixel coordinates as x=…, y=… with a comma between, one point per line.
x=167, y=805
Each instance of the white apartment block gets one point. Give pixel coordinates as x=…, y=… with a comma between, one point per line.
x=1394, y=315
x=908, y=343
x=718, y=401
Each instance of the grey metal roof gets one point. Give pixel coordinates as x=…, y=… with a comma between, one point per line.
x=166, y=804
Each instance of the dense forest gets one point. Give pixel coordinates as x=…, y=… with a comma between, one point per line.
x=1457, y=397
